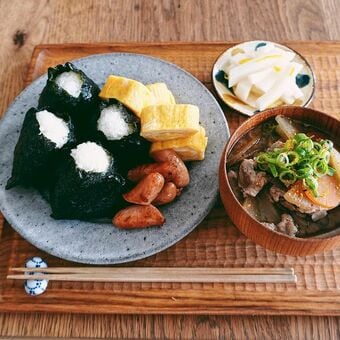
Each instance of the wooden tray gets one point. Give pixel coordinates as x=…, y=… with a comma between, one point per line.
x=215, y=243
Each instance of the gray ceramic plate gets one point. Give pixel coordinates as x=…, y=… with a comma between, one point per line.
x=101, y=243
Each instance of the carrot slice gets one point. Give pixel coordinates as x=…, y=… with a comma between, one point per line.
x=329, y=192
x=296, y=195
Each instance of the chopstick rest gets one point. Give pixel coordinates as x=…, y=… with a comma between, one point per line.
x=35, y=287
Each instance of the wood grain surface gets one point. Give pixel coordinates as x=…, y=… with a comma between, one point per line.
x=25, y=24
x=170, y=327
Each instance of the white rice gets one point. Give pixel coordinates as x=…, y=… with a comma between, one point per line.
x=53, y=128
x=70, y=82
x=111, y=122
x=91, y=157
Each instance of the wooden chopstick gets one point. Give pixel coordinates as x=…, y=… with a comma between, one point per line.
x=218, y=275
x=151, y=270
x=267, y=278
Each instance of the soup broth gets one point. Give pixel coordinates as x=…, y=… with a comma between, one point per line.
x=285, y=173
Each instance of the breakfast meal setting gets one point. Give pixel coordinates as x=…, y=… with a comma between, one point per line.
x=115, y=157
x=170, y=169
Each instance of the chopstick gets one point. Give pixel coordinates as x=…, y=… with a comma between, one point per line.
x=158, y=274
x=146, y=270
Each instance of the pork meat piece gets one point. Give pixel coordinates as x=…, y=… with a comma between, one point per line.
x=287, y=225
x=276, y=193
x=233, y=180
x=250, y=181
x=271, y=226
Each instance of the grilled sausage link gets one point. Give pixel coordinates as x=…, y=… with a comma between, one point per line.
x=167, y=195
x=164, y=168
x=146, y=190
x=180, y=173
x=138, y=216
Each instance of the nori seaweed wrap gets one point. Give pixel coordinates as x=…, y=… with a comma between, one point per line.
x=36, y=155
x=70, y=90
x=85, y=195
x=118, y=129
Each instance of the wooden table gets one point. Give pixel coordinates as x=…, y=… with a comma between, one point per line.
x=23, y=24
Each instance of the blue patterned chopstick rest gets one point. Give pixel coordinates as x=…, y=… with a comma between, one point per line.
x=35, y=287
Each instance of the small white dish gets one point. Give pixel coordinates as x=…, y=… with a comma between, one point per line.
x=305, y=78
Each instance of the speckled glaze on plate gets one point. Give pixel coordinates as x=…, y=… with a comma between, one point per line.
x=306, y=80
x=101, y=243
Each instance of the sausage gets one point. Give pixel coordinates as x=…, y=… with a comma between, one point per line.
x=164, y=168
x=167, y=195
x=138, y=216
x=146, y=190
x=166, y=155
x=169, y=165
x=180, y=172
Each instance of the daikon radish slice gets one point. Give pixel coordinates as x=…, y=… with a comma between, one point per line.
x=258, y=76
x=274, y=93
x=268, y=81
x=288, y=98
x=329, y=192
x=334, y=162
x=239, y=72
x=242, y=89
x=297, y=93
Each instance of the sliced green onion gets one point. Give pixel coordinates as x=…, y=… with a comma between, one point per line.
x=300, y=158
x=314, y=159
x=273, y=170
x=325, y=154
x=300, y=137
x=307, y=144
x=269, y=157
x=262, y=158
x=331, y=171
x=293, y=157
x=317, y=146
x=303, y=163
x=282, y=160
x=300, y=151
x=287, y=177
x=312, y=184
x=320, y=168
x=304, y=172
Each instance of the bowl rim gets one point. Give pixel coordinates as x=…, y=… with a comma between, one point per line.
x=308, y=101
x=231, y=143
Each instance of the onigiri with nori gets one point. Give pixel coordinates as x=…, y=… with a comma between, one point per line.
x=88, y=184
x=43, y=138
x=118, y=129
x=70, y=90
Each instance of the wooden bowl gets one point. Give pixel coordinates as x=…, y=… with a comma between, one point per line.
x=249, y=226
